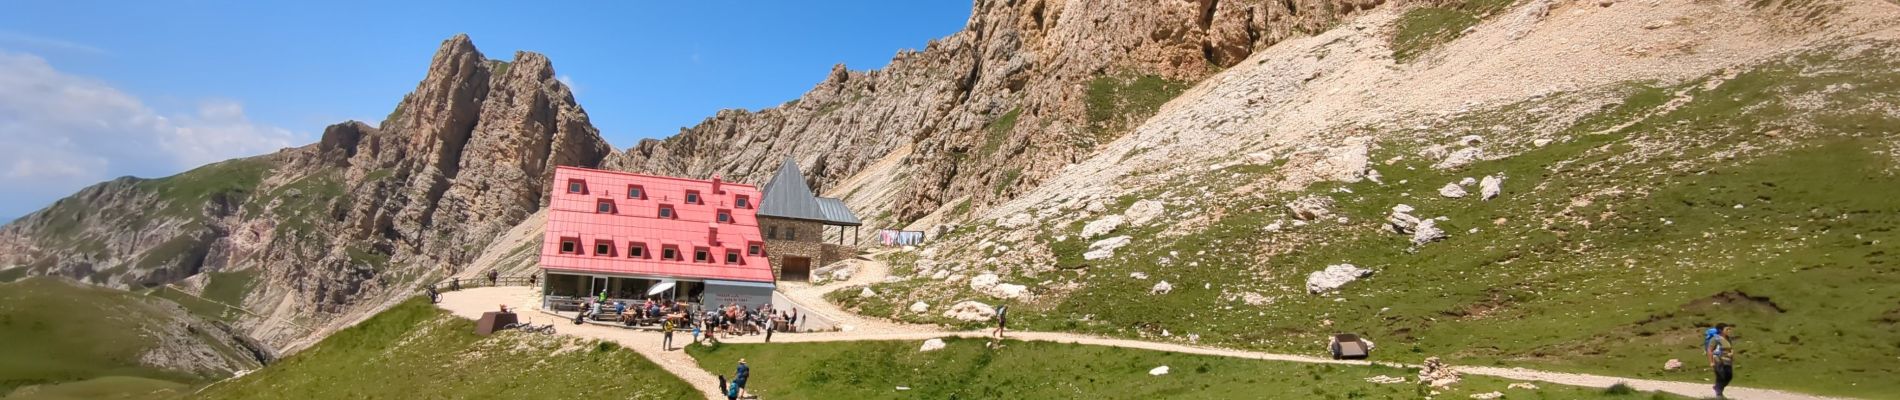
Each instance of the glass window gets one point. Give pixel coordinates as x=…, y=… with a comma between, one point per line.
x=771, y=232
x=634, y=192
x=725, y=216
x=666, y=211
x=732, y=257
x=702, y=255
x=791, y=234
x=569, y=247
x=692, y=197
x=742, y=202
x=601, y=249
x=576, y=186
x=604, y=207
x=669, y=254
x=637, y=250
x=753, y=249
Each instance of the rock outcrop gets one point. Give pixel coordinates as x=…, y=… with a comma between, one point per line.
x=342, y=226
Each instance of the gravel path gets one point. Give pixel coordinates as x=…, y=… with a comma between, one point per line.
x=471, y=303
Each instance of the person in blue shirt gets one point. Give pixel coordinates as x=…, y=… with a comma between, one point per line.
x=737, y=389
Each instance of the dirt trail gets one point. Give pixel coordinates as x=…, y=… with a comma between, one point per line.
x=472, y=302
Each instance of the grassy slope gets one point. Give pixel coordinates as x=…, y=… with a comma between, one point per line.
x=416, y=351
x=968, y=368
x=111, y=387
x=58, y=332
x=1615, y=285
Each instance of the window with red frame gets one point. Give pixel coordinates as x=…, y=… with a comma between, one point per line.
x=576, y=186
x=732, y=256
x=636, y=192
x=636, y=250
x=604, y=206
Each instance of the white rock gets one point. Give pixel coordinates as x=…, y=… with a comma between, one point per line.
x=1138, y=275
x=1402, y=208
x=1426, y=232
x=1467, y=181
x=1311, y=207
x=842, y=274
x=1255, y=299
x=1101, y=226
x=1016, y=220
x=1334, y=276
x=1095, y=207
x=931, y=345
x=940, y=274
x=867, y=292
x=1373, y=175
x=1162, y=287
x=1452, y=190
x=1471, y=140
x=1460, y=158
x=1008, y=291
x=970, y=311
x=1522, y=385
x=1672, y=365
x=1105, y=248
x=1159, y=371
x=983, y=283
x=919, y=307
x=1487, y=396
x=1540, y=142
x=1386, y=379
x=1144, y=211
x=1491, y=186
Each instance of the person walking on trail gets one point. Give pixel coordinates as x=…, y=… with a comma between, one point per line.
x=1721, y=357
x=666, y=332
x=736, y=389
x=695, y=325
x=493, y=276
x=1002, y=320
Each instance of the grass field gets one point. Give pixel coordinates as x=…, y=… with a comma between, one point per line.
x=417, y=351
x=103, y=388
x=55, y=332
x=969, y=369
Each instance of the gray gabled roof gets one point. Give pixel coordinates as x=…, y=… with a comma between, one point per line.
x=787, y=196
x=836, y=213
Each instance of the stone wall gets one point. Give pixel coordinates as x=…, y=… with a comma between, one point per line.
x=807, y=241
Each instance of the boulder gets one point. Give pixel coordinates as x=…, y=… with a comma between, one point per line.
x=1105, y=248
x=919, y=307
x=1311, y=207
x=1452, y=190
x=1138, y=275
x=1460, y=158
x=1101, y=226
x=867, y=292
x=1143, y=212
x=1334, y=276
x=933, y=344
x=1672, y=365
x=1426, y=232
x=970, y=311
x=1490, y=186
x=1436, y=373
x=1158, y=371
x=1008, y=291
x=1016, y=220
x=983, y=283
x=1162, y=287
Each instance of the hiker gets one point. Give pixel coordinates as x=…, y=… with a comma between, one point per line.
x=493, y=277
x=434, y=297
x=533, y=278
x=1002, y=320
x=455, y=284
x=738, y=381
x=666, y=335
x=769, y=327
x=1721, y=357
x=695, y=332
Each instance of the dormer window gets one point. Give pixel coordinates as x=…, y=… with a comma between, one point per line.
x=670, y=253
x=576, y=186
x=725, y=216
x=702, y=255
x=692, y=197
x=636, y=250
x=666, y=211
x=732, y=256
x=742, y=202
x=570, y=246
x=636, y=192
x=754, y=248
x=603, y=248
x=604, y=206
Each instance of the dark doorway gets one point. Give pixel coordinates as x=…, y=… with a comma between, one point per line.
x=795, y=269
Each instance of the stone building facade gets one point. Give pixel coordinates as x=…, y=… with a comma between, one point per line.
x=793, y=221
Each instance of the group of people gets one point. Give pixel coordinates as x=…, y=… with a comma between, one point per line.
x=734, y=319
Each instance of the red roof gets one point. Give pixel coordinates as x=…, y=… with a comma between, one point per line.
x=635, y=222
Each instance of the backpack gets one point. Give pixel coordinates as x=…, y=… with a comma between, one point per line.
x=1709, y=337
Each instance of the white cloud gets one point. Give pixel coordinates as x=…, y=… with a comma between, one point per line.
x=60, y=132
x=569, y=81
x=17, y=39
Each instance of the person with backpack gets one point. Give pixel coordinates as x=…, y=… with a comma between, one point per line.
x=493, y=277
x=666, y=335
x=1002, y=320
x=737, y=388
x=1721, y=357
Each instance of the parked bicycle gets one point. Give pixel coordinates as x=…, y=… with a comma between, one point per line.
x=529, y=326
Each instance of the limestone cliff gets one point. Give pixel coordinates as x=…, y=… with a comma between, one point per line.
x=318, y=234
x=1025, y=89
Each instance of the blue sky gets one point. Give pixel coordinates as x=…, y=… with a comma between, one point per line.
x=91, y=90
